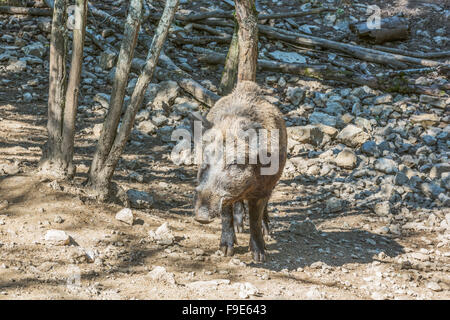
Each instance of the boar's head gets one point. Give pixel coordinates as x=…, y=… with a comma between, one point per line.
x=224, y=177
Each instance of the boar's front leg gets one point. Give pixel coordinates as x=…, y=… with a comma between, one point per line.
x=256, y=212
x=238, y=216
x=228, y=236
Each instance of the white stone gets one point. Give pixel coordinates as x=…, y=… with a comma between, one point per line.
x=57, y=237
x=125, y=215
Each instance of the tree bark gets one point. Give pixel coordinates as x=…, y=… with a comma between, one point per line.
x=71, y=104
x=229, y=75
x=102, y=176
x=247, y=18
x=52, y=161
x=97, y=179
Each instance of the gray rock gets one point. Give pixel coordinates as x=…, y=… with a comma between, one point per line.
x=107, y=59
x=303, y=228
x=401, y=179
x=346, y=159
x=438, y=170
x=27, y=97
x=57, y=237
x=382, y=208
x=17, y=66
x=431, y=189
x=34, y=49
x=306, y=134
x=160, y=274
x=322, y=118
x=434, y=101
x=334, y=205
x=386, y=165
x=125, y=215
x=289, y=57
x=139, y=199
x=429, y=140
x=352, y=136
x=385, y=98
x=102, y=99
x=369, y=147
x=96, y=130
x=295, y=95
x=162, y=235
x=334, y=108
x=163, y=93
x=146, y=127
x=434, y=286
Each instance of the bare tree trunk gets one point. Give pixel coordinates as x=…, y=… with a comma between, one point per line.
x=101, y=177
x=52, y=161
x=109, y=129
x=70, y=110
x=229, y=74
x=247, y=18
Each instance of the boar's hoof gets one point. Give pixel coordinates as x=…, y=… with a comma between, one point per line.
x=226, y=250
x=238, y=228
x=265, y=229
x=203, y=220
x=258, y=256
x=202, y=216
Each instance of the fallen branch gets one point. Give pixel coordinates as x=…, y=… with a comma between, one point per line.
x=229, y=15
x=387, y=82
x=421, y=55
x=203, y=40
x=391, y=28
x=186, y=82
x=283, y=15
x=26, y=11
x=362, y=53
x=209, y=30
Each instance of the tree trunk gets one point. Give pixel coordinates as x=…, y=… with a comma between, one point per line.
x=101, y=177
x=52, y=161
x=230, y=70
x=247, y=18
x=96, y=177
x=71, y=105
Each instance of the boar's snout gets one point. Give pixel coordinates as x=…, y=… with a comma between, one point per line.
x=202, y=215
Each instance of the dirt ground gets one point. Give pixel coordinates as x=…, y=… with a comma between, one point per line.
x=346, y=258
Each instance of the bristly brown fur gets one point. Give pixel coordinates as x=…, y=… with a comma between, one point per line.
x=245, y=105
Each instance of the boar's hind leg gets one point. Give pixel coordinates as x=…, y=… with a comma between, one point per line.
x=238, y=217
x=265, y=222
x=228, y=236
x=256, y=212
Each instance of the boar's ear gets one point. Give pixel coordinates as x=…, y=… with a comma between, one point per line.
x=197, y=116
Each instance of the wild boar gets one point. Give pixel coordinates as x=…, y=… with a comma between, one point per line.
x=226, y=179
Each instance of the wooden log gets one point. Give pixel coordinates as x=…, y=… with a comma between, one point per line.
x=391, y=82
x=421, y=55
x=359, y=52
x=26, y=11
x=391, y=29
x=203, y=40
